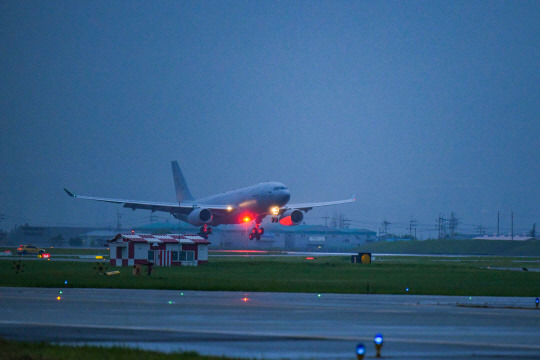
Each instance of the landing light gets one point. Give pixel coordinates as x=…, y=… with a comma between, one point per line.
x=275, y=210
x=229, y=208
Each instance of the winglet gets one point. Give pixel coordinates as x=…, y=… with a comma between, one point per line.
x=69, y=193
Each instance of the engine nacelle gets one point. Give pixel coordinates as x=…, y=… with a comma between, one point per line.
x=199, y=217
x=291, y=217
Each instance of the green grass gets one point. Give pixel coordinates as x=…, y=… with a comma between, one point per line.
x=14, y=350
x=62, y=251
x=456, y=247
x=447, y=247
x=426, y=276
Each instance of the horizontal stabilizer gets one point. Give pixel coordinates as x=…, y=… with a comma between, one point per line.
x=69, y=192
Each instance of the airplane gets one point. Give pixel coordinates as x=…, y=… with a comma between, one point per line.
x=240, y=206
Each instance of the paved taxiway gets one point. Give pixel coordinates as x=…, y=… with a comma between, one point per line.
x=276, y=325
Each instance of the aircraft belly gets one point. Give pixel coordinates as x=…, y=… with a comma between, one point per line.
x=221, y=219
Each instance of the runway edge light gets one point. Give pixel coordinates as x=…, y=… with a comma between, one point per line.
x=378, y=340
x=537, y=301
x=360, y=351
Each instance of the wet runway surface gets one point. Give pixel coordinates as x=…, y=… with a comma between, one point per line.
x=276, y=325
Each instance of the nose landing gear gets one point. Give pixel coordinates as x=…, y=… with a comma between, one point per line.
x=205, y=231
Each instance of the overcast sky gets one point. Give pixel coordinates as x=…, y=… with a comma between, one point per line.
x=420, y=108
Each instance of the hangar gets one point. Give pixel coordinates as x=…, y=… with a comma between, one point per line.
x=161, y=250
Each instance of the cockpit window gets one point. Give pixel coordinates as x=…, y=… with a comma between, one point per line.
x=280, y=188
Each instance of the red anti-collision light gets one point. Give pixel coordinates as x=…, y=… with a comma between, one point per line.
x=246, y=218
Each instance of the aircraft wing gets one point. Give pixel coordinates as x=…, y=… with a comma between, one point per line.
x=153, y=206
x=308, y=206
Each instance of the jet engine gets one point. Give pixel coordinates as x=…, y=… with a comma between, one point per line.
x=291, y=217
x=199, y=217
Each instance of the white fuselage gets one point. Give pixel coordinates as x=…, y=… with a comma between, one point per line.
x=252, y=201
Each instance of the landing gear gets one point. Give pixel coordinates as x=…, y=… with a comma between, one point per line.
x=275, y=220
x=256, y=232
x=205, y=231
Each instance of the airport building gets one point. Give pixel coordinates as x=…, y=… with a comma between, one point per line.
x=506, y=237
x=47, y=236
x=276, y=237
x=161, y=250
x=96, y=238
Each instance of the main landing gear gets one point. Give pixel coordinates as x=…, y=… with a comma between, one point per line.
x=275, y=219
x=205, y=231
x=256, y=232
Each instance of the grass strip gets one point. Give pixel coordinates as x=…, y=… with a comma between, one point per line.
x=422, y=276
x=15, y=350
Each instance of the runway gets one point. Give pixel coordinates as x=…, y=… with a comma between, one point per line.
x=276, y=325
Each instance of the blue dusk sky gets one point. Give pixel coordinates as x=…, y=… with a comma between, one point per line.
x=421, y=108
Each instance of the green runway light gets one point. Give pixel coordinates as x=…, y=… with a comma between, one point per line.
x=319, y=295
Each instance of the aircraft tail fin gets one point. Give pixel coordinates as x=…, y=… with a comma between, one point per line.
x=182, y=190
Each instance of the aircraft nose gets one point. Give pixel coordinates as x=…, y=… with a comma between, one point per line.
x=285, y=197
